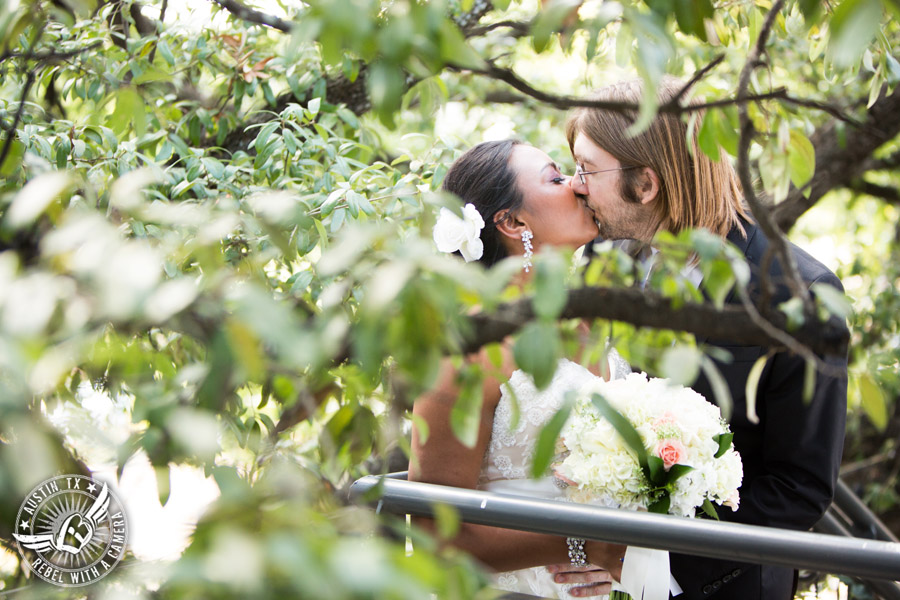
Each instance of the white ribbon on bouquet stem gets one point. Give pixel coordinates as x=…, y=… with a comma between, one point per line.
x=646, y=575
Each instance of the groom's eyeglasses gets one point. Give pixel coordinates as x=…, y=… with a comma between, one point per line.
x=580, y=172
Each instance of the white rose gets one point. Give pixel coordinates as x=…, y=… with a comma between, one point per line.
x=452, y=233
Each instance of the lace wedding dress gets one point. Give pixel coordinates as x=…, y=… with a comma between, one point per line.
x=508, y=457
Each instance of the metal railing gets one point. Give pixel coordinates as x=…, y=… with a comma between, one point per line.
x=868, y=559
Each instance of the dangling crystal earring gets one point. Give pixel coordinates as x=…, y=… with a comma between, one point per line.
x=527, y=236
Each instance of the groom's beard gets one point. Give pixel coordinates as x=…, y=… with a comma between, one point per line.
x=627, y=221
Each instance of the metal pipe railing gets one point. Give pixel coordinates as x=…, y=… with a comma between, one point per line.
x=860, y=515
x=831, y=524
x=760, y=545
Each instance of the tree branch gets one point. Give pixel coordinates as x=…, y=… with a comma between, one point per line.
x=645, y=309
x=251, y=15
x=672, y=106
x=520, y=28
x=883, y=164
x=885, y=192
x=11, y=133
x=49, y=56
x=747, y=131
x=676, y=99
x=841, y=156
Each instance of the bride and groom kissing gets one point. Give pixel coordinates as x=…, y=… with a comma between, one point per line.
x=627, y=188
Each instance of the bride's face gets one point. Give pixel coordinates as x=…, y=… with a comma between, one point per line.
x=550, y=208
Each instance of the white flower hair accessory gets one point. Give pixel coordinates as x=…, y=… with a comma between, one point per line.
x=452, y=233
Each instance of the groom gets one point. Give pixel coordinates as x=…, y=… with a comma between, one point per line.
x=652, y=182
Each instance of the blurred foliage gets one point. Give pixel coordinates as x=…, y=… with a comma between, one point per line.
x=225, y=227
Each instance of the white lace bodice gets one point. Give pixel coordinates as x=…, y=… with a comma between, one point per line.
x=521, y=413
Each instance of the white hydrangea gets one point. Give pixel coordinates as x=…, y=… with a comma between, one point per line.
x=675, y=423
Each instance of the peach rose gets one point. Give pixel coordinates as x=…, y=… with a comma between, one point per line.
x=670, y=451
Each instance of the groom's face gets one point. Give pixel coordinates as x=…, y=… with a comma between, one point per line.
x=617, y=218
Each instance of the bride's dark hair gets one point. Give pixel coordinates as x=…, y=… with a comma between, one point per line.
x=482, y=176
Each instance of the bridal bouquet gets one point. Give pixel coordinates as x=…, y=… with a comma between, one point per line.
x=647, y=444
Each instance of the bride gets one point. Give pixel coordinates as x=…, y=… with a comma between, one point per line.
x=524, y=202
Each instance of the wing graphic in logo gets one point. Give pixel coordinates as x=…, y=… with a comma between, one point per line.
x=100, y=508
x=39, y=543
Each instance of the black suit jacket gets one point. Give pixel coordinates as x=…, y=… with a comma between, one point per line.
x=791, y=458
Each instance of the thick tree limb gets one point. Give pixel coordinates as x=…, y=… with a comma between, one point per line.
x=883, y=164
x=646, y=309
x=885, y=192
x=841, y=156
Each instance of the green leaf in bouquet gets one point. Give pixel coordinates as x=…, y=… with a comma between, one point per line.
x=724, y=441
x=626, y=430
x=546, y=443
x=709, y=509
x=657, y=471
x=676, y=473
x=661, y=505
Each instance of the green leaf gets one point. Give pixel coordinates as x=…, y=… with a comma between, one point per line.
x=495, y=354
x=724, y=440
x=215, y=168
x=690, y=15
x=751, y=387
x=676, y=472
x=129, y=111
x=657, y=470
x=801, y=158
x=13, y=158
x=809, y=381
x=446, y=520
x=709, y=509
x=465, y=417
x=314, y=106
x=33, y=199
x=853, y=26
x=386, y=84
x=455, y=49
x=721, y=393
x=873, y=401
x=549, y=20
x=166, y=52
x=707, y=137
x=550, y=286
x=421, y=428
x=537, y=351
x=163, y=481
x=661, y=506
x=718, y=280
x=625, y=429
x=834, y=300
x=546, y=442
x=793, y=310
x=681, y=364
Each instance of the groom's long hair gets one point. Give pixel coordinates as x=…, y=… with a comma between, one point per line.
x=695, y=191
